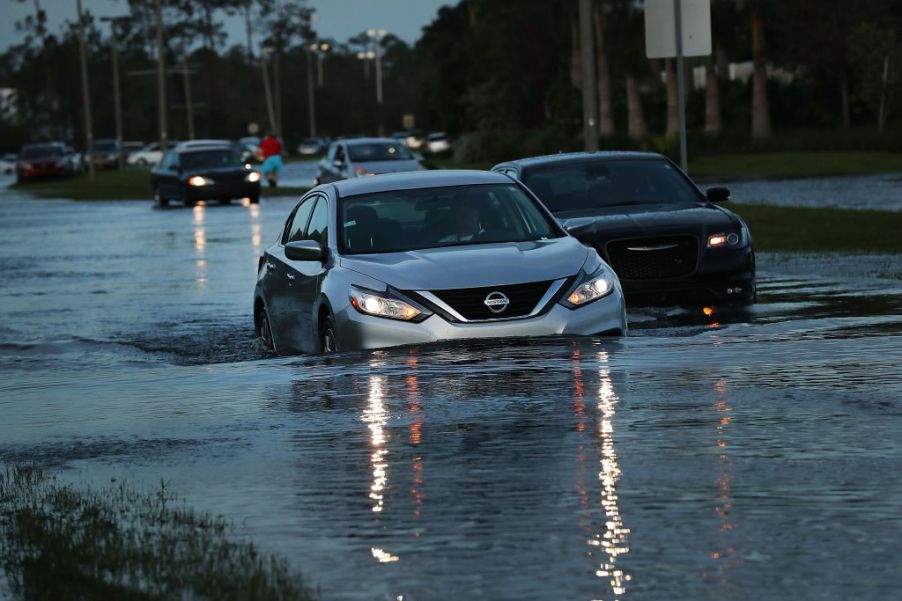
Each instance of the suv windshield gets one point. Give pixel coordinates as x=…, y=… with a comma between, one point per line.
x=49, y=151
x=205, y=159
x=379, y=151
x=404, y=220
x=596, y=184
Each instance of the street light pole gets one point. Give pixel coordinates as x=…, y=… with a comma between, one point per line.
x=189, y=106
x=587, y=56
x=681, y=81
x=85, y=93
x=161, y=78
x=376, y=35
x=264, y=54
x=311, y=96
x=117, y=96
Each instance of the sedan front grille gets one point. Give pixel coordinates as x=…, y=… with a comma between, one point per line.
x=470, y=302
x=653, y=258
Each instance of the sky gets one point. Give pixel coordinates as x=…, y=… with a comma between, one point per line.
x=337, y=19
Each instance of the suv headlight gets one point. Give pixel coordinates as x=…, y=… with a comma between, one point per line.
x=592, y=287
x=380, y=304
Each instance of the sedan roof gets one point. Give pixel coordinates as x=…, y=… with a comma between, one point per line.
x=577, y=157
x=411, y=180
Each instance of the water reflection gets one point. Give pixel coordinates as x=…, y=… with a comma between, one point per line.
x=256, y=229
x=375, y=416
x=415, y=431
x=724, y=554
x=200, y=246
x=613, y=541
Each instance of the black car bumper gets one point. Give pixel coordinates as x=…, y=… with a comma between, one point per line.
x=222, y=191
x=720, y=276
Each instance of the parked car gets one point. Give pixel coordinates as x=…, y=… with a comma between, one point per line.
x=311, y=146
x=47, y=159
x=149, y=155
x=438, y=142
x=360, y=157
x=667, y=241
x=250, y=147
x=8, y=163
x=193, y=172
x=131, y=146
x=413, y=138
x=105, y=154
x=412, y=258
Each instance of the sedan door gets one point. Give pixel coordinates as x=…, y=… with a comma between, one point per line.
x=278, y=281
x=303, y=279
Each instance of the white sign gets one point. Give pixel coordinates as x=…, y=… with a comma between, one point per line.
x=660, y=28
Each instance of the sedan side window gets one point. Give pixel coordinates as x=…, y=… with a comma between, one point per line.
x=295, y=229
x=340, y=153
x=330, y=156
x=319, y=224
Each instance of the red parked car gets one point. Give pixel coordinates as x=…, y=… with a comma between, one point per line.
x=49, y=159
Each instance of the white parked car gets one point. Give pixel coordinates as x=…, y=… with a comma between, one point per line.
x=8, y=163
x=149, y=155
x=437, y=142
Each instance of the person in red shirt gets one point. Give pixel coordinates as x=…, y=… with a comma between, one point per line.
x=271, y=149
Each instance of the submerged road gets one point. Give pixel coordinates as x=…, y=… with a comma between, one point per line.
x=729, y=455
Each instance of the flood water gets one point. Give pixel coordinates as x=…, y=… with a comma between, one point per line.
x=730, y=455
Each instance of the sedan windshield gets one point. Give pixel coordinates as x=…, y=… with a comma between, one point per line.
x=379, y=151
x=598, y=184
x=207, y=159
x=432, y=217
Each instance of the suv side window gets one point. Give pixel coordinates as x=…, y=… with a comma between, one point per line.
x=295, y=229
x=319, y=224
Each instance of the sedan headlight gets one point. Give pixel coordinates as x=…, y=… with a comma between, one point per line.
x=729, y=239
x=252, y=177
x=369, y=302
x=198, y=180
x=595, y=287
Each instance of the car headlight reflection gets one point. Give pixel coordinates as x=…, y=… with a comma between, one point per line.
x=198, y=180
x=370, y=303
x=597, y=287
x=253, y=177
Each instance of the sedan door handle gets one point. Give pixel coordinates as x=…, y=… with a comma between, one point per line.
x=290, y=277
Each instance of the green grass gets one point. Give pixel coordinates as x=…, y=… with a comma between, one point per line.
x=114, y=184
x=796, y=229
x=794, y=164
x=66, y=542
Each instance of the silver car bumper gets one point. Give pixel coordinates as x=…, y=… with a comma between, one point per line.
x=361, y=332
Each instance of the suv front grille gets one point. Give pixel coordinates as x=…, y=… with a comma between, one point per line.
x=653, y=258
x=470, y=302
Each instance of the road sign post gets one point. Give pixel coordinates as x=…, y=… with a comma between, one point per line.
x=677, y=29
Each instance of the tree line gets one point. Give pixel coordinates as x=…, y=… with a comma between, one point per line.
x=503, y=76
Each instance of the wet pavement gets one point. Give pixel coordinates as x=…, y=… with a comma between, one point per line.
x=722, y=454
x=881, y=192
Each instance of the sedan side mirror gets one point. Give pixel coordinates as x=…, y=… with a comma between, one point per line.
x=580, y=226
x=718, y=195
x=305, y=250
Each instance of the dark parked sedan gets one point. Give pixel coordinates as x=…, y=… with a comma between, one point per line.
x=666, y=240
x=190, y=174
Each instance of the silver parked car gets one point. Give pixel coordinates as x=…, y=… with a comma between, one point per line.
x=359, y=157
x=420, y=257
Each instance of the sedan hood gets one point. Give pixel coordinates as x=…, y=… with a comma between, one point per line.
x=654, y=220
x=378, y=167
x=473, y=266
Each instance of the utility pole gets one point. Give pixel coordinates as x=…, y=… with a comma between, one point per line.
x=681, y=81
x=85, y=93
x=117, y=96
x=587, y=60
x=161, y=78
x=264, y=54
x=189, y=106
x=311, y=95
x=277, y=88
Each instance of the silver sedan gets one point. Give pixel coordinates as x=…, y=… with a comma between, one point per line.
x=421, y=257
